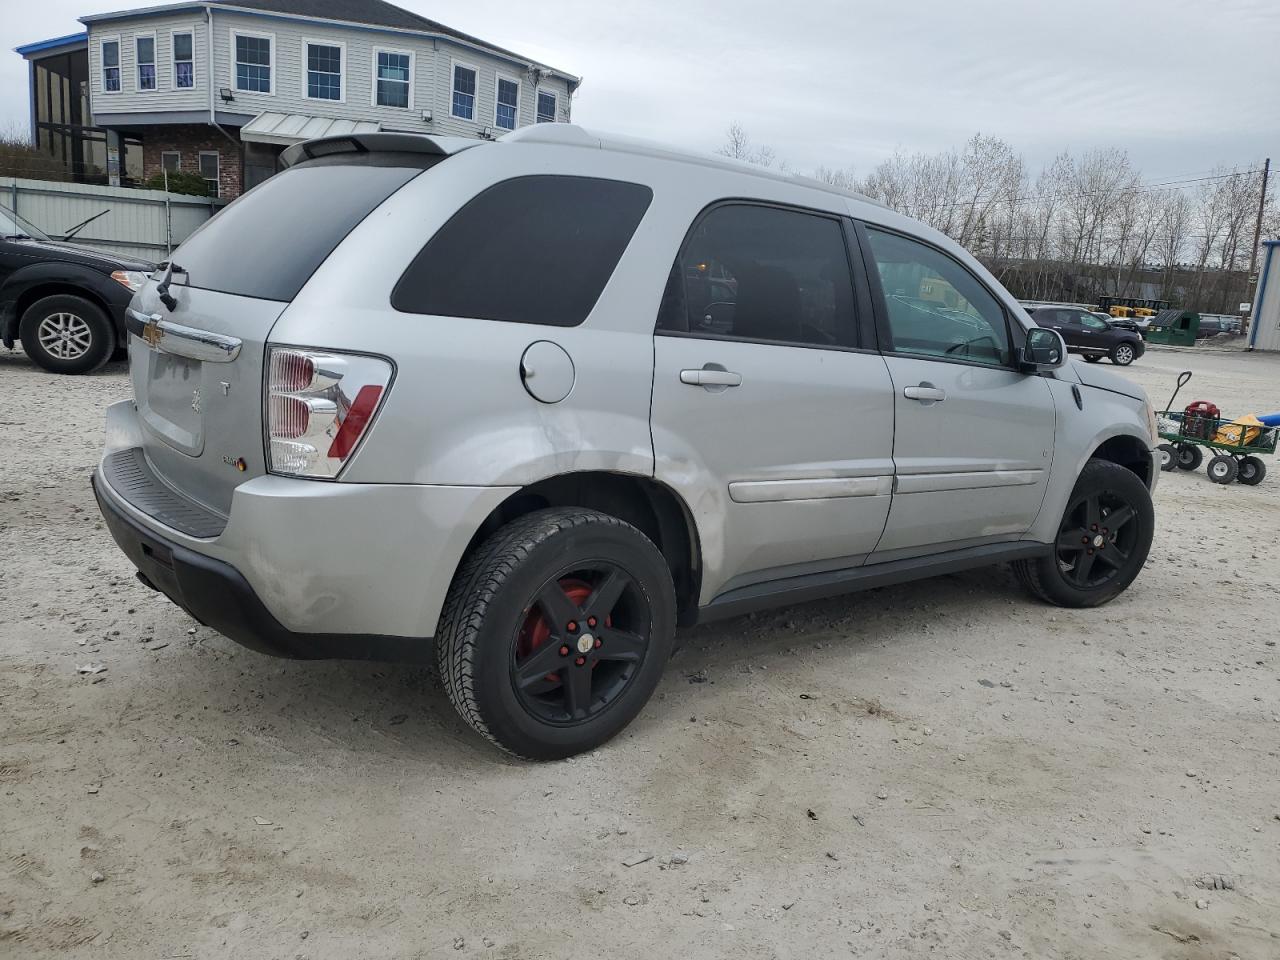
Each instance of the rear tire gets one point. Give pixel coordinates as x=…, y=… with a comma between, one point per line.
x=1123, y=354
x=1189, y=456
x=1168, y=457
x=1222, y=469
x=1091, y=357
x=1102, y=542
x=67, y=334
x=533, y=652
x=1253, y=470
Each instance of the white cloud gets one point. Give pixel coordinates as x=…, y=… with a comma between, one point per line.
x=1182, y=84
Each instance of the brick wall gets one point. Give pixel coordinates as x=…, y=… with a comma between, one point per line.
x=190, y=140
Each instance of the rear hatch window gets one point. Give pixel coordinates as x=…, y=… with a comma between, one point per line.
x=268, y=243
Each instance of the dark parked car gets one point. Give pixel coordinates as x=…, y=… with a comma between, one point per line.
x=66, y=303
x=1089, y=335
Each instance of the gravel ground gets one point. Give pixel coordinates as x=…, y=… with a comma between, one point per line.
x=944, y=769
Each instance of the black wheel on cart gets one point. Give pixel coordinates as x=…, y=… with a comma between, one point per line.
x=1251, y=470
x=1222, y=469
x=1189, y=456
x=1168, y=457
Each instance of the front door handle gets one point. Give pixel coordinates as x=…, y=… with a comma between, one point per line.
x=710, y=377
x=925, y=393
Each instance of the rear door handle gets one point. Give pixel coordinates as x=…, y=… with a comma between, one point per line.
x=710, y=377
x=925, y=393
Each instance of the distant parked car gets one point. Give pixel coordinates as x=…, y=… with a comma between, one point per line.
x=1090, y=336
x=1122, y=323
x=64, y=302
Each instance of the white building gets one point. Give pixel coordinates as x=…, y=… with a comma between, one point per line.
x=220, y=87
x=1264, y=320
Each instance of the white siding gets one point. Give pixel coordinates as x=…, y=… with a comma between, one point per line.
x=165, y=97
x=432, y=74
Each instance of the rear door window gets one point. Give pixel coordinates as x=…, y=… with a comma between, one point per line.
x=269, y=242
x=753, y=272
x=536, y=249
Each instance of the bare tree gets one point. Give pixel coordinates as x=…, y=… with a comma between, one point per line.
x=737, y=146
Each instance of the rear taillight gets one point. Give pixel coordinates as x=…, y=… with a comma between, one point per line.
x=319, y=406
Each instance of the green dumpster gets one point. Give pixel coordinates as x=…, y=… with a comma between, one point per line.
x=1177, y=327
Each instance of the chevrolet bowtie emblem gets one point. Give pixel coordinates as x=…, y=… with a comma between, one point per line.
x=153, y=333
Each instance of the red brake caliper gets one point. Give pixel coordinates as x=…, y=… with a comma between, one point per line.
x=536, y=631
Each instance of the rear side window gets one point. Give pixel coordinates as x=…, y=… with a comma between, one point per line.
x=529, y=250
x=268, y=243
x=753, y=272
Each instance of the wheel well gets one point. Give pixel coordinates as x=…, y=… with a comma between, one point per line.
x=1128, y=452
x=42, y=290
x=651, y=507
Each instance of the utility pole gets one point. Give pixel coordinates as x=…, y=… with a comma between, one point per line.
x=1257, y=237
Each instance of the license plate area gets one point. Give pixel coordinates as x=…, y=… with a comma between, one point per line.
x=170, y=402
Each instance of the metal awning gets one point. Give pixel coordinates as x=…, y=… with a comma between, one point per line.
x=290, y=128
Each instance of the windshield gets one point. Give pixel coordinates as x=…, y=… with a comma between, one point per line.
x=13, y=227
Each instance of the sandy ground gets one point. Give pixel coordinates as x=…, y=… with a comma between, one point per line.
x=946, y=769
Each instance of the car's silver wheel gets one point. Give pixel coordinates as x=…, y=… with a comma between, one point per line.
x=1123, y=354
x=65, y=336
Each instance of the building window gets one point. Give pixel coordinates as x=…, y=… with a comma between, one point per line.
x=506, y=111
x=111, y=66
x=171, y=160
x=394, y=79
x=209, y=170
x=546, y=107
x=146, y=48
x=253, y=63
x=464, y=92
x=184, y=70
x=324, y=71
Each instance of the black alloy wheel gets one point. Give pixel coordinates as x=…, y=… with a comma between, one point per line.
x=1102, y=542
x=581, y=643
x=1097, y=538
x=556, y=630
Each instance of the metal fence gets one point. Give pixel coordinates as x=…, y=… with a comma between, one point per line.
x=139, y=223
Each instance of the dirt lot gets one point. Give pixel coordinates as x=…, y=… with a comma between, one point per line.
x=944, y=769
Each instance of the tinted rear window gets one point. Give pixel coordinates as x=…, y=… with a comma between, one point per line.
x=268, y=243
x=529, y=250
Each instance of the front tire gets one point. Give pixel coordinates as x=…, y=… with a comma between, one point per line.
x=1223, y=469
x=1102, y=543
x=1252, y=471
x=1189, y=456
x=67, y=334
x=555, y=632
x=1123, y=354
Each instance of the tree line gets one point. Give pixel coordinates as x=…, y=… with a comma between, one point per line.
x=1084, y=226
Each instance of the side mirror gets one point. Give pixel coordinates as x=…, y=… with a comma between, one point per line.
x=1044, y=350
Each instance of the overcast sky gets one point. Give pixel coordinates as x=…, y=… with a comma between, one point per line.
x=1184, y=85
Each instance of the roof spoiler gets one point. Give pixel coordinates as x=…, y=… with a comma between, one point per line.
x=374, y=143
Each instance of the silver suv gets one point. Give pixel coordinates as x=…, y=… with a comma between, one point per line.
x=526, y=407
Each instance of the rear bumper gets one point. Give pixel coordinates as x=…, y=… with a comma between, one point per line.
x=216, y=594
x=301, y=568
